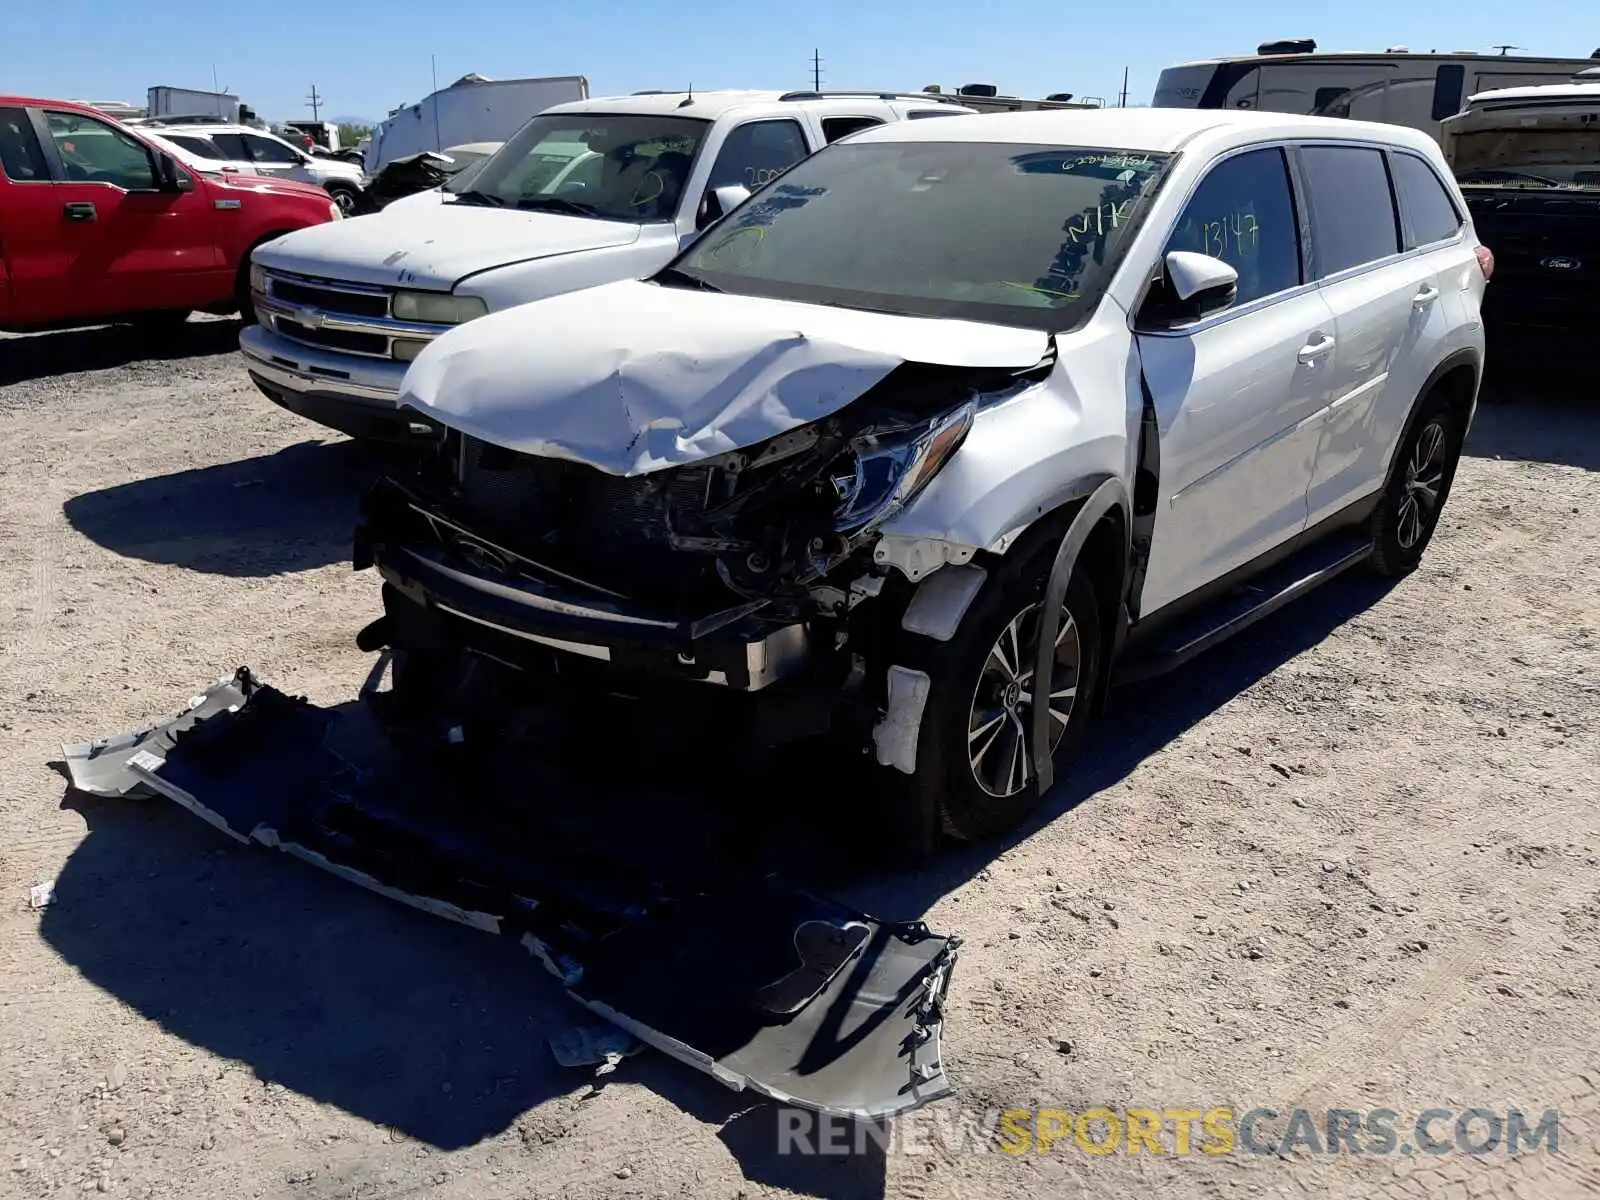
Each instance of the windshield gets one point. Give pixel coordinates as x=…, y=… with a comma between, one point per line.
x=1560, y=152
x=619, y=166
x=1004, y=233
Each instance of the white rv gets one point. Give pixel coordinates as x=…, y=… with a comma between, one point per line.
x=472, y=109
x=1396, y=86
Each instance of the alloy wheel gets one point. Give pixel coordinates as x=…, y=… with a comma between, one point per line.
x=999, y=721
x=1424, y=479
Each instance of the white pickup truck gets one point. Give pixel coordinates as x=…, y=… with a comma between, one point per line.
x=591, y=192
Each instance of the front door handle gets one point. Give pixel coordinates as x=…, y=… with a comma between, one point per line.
x=1426, y=296
x=79, y=211
x=1312, y=351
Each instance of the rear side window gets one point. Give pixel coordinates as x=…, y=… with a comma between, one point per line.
x=1352, y=209
x=21, y=156
x=232, y=146
x=1243, y=213
x=834, y=128
x=757, y=153
x=1427, y=211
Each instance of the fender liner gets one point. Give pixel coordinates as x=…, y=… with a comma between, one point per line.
x=1108, y=495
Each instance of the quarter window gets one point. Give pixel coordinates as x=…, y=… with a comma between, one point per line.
x=1430, y=215
x=95, y=152
x=1243, y=213
x=21, y=156
x=834, y=128
x=757, y=153
x=1352, y=208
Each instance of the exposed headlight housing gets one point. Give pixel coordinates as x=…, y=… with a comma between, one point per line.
x=884, y=471
x=335, y=213
x=258, y=278
x=438, y=308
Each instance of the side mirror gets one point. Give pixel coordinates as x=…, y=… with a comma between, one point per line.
x=173, y=178
x=1191, y=287
x=718, y=203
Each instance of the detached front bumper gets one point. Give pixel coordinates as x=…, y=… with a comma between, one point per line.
x=355, y=395
x=762, y=985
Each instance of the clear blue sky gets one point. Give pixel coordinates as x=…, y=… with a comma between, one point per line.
x=368, y=56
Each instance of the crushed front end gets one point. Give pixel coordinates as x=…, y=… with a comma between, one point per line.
x=759, y=569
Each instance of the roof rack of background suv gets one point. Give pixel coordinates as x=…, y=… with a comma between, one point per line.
x=934, y=96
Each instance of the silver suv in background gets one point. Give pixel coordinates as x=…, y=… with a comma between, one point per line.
x=268, y=154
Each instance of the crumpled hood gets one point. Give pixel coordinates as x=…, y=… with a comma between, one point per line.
x=437, y=246
x=633, y=377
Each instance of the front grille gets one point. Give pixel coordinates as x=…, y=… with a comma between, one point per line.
x=334, y=339
x=359, y=304
x=1546, y=252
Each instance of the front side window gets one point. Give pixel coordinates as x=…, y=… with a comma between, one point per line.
x=1005, y=233
x=1430, y=214
x=270, y=150
x=21, y=156
x=618, y=166
x=1352, y=208
x=1243, y=213
x=755, y=154
x=94, y=152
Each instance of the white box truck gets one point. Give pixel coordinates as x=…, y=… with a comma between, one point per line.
x=170, y=102
x=472, y=109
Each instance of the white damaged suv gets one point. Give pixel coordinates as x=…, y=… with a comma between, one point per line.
x=947, y=428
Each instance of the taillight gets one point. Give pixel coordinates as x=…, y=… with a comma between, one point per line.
x=1486, y=262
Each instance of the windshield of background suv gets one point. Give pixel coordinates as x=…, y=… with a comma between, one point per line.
x=1560, y=152
x=1004, y=233
x=619, y=166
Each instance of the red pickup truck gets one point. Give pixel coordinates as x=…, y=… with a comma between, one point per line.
x=97, y=223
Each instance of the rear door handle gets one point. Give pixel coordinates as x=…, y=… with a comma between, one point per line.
x=79, y=211
x=1312, y=351
x=1426, y=296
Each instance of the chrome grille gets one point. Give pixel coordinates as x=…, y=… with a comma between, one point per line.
x=330, y=314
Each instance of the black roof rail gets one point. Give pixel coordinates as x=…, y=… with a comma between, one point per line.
x=936, y=97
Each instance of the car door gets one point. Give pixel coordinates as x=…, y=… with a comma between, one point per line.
x=276, y=158
x=128, y=246
x=33, y=245
x=1386, y=304
x=751, y=155
x=1238, y=395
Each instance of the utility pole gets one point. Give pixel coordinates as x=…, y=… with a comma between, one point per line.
x=316, y=103
x=816, y=70
x=1122, y=101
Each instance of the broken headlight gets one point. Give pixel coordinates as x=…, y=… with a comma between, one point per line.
x=883, y=470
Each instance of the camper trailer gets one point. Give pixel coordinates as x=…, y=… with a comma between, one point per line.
x=1395, y=86
x=472, y=109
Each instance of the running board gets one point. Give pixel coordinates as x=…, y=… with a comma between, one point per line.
x=1301, y=573
x=758, y=983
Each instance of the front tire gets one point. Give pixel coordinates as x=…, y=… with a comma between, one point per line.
x=1419, y=484
x=975, y=775
x=346, y=197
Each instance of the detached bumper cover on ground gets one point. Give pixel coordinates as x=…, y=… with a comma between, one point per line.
x=757, y=983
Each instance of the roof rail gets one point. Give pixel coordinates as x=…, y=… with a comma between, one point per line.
x=936, y=97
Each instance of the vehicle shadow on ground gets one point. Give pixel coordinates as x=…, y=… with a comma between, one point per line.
x=292, y=510
x=417, y=1024
x=43, y=355
x=1537, y=413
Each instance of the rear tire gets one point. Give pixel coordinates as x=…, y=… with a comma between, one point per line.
x=1419, y=484
x=974, y=776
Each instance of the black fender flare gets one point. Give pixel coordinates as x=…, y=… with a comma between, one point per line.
x=1109, y=495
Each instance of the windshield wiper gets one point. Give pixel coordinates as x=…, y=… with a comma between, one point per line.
x=679, y=278
x=487, y=199
x=557, y=204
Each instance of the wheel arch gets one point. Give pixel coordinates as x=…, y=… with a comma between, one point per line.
x=1459, y=376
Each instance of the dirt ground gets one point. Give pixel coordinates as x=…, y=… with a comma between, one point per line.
x=1349, y=861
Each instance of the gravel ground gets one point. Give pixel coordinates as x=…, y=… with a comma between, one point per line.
x=1349, y=861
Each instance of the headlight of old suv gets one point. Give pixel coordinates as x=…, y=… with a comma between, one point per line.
x=258, y=278
x=884, y=471
x=438, y=308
